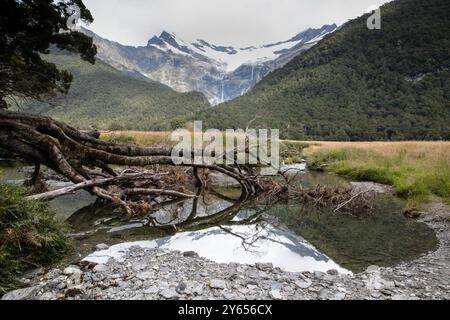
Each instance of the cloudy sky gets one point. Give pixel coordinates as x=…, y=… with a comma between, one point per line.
x=225, y=22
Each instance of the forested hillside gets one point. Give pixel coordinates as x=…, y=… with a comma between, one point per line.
x=105, y=98
x=359, y=84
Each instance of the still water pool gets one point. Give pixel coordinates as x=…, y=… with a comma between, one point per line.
x=215, y=225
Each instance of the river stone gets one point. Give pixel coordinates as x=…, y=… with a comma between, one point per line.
x=252, y=283
x=386, y=292
x=375, y=294
x=74, y=279
x=252, y=274
x=198, y=289
x=169, y=294
x=101, y=268
x=71, y=270
x=372, y=268
x=181, y=287
x=50, y=295
x=101, y=247
x=339, y=296
x=190, y=254
x=22, y=294
x=218, y=284
x=144, y=275
x=264, y=266
x=333, y=272
x=389, y=284
x=243, y=290
x=61, y=286
x=97, y=277
x=230, y=296
x=303, y=284
x=52, y=274
x=151, y=290
x=399, y=297
x=72, y=292
x=375, y=283
x=138, y=266
x=329, y=278
x=276, y=294
x=319, y=275
x=323, y=294
x=123, y=284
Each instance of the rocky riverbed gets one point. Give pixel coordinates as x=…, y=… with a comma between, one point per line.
x=161, y=274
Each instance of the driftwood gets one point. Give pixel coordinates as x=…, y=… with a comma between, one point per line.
x=82, y=158
x=50, y=195
x=336, y=198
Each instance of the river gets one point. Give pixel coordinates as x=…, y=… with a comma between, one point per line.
x=216, y=226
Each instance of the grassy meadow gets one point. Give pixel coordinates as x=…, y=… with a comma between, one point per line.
x=418, y=170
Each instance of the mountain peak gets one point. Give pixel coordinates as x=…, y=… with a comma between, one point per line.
x=155, y=41
x=311, y=33
x=164, y=37
x=167, y=35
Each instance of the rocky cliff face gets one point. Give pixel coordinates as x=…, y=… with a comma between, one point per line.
x=222, y=73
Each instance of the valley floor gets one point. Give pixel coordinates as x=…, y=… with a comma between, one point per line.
x=159, y=274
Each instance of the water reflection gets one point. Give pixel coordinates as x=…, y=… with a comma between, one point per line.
x=383, y=238
x=215, y=226
x=247, y=244
x=226, y=231
x=219, y=227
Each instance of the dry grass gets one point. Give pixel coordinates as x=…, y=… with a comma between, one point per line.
x=417, y=149
x=138, y=137
x=146, y=138
x=416, y=169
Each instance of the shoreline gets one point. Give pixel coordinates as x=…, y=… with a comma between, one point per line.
x=156, y=274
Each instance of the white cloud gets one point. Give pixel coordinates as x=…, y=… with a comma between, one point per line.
x=228, y=22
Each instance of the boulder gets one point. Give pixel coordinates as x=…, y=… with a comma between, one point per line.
x=22, y=294
x=71, y=270
x=218, y=284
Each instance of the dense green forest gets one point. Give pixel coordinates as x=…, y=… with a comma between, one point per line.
x=105, y=98
x=359, y=84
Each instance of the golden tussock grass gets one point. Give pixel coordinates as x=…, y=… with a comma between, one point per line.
x=137, y=137
x=416, y=169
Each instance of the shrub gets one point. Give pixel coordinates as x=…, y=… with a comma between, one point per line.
x=29, y=235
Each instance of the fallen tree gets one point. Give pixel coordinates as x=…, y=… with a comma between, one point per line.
x=88, y=162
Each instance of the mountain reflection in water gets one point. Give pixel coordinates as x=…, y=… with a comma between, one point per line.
x=247, y=244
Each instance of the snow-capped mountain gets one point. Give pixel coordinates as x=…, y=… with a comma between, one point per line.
x=220, y=72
